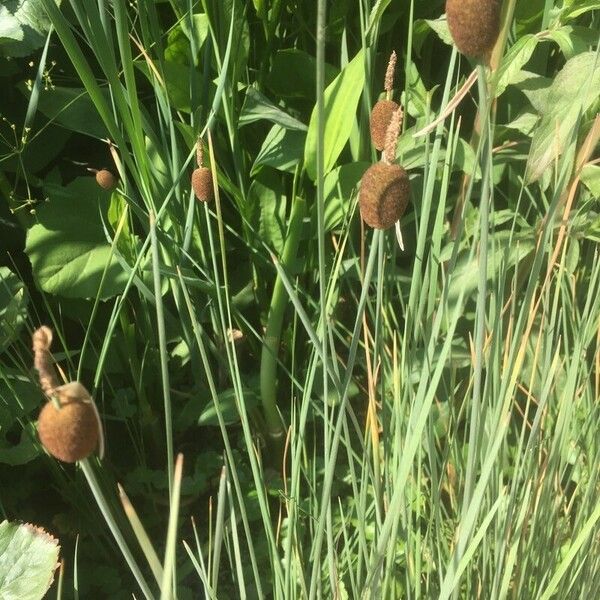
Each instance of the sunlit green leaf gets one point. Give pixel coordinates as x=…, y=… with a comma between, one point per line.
x=341, y=100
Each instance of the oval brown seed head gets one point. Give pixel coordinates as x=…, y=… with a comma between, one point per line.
x=71, y=432
x=202, y=184
x=384, y=194
x=105, y=179
x=381, y=115
x=474, y=25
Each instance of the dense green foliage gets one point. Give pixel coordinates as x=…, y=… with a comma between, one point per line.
x=355, y=420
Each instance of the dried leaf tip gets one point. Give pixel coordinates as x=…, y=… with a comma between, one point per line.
x=389, y=73
x=391, y=136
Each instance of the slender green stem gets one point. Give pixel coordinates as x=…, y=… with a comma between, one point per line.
x=279, y=302
x=169, y=573
x=162, y=347
x=481, y=309
x=105, y=509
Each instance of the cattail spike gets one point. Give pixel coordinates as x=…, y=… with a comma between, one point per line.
x=391, y=137
x=389, y=73
x=199, y=153
x=42, y=361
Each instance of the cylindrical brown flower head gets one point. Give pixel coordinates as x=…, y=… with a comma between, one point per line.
x=105, y=179
x=384, y=195
x=388, y=84
x=69, y=433
x=202, y=184
x=474, y=25
x=391, y=135
x=381, y=115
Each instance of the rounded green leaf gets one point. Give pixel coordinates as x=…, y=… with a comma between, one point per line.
x=28, y=559
x=67, y=247
x=13, y=306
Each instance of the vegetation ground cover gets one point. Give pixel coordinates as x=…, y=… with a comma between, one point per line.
x=294, y=404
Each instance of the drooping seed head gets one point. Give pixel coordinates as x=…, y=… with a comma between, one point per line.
x=71, y=432
x=105, y=179
x=42, y=360
x=384, y=195
x=474, y=25
x=202, y=184
x=381, y=115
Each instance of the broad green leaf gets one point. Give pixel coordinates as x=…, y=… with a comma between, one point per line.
x=416, y=98
x=376, y=13
x=282, y=149
x=72, y=108
x=590, y=175
x=10, y=29
x=515, y=59
x=228, y=408
x=340, y=186
x=573, y=40
x=258, y=107
x=440, y=26
x=578, y=8
x=13, y=306
x=67, y=247
x=28, y=559
x=535, y=87
x=293, y=74
x=179, y=39
x=24, y=25
x=41, y=148
x=575, y=89
x=19, y=397
x=267, y=199
x=341, y=99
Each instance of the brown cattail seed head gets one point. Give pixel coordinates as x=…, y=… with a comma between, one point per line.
x=474, y=25
x=202, y=184
x=384, y=192
x=69, y=433
x=381, y=115
x=105, y=179
x=389, y=73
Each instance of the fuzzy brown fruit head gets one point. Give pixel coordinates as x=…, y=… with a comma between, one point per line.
x=202, y=184
x=70, y=433
x=381, y=115
x=474, y=25
x=105, y=179
x=384, y=194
